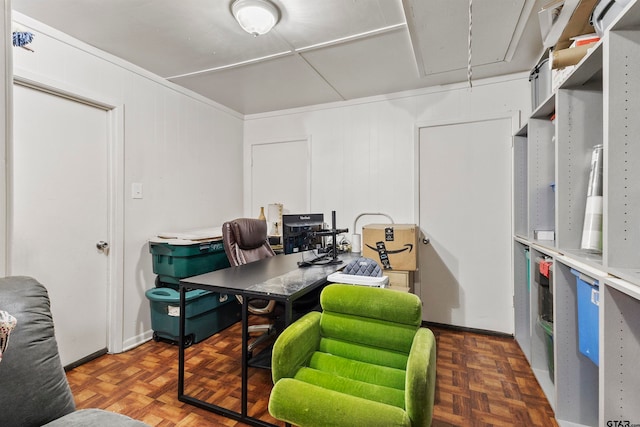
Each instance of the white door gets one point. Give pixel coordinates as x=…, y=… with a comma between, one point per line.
x=465, y=210
x=280, y=174
x=60, y=213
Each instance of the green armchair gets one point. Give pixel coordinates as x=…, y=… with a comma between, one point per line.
x=363, y=361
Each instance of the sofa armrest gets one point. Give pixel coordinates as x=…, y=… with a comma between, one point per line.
x=33, y=383
x=95, y=418
x=421, y=378
x=295, y=345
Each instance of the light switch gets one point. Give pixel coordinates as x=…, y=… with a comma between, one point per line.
x=136, y=190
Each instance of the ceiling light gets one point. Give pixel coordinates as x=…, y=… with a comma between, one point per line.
x=256, y=17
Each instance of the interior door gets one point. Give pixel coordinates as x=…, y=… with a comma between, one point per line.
x=465, y=210
x=280, y=174
x=60, y=213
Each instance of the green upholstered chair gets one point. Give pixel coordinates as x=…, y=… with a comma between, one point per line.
x=363, y=361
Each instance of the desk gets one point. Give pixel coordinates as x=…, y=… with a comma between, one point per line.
x=278, y=278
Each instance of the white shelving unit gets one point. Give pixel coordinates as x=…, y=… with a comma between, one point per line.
x=619, y=340
x=599, y=103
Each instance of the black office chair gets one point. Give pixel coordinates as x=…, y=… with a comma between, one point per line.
x=245, y=241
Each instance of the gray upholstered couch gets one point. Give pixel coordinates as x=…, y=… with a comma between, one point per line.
x=33, y=386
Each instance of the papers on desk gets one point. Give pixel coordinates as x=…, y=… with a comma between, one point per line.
x=189, y=237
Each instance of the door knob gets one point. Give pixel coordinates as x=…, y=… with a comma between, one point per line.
x=102, y=245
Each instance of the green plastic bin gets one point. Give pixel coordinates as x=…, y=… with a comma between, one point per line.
x=547, y=328
x=206, y=314
x=174, y=262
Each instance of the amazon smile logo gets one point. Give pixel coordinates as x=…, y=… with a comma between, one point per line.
x=407, y=247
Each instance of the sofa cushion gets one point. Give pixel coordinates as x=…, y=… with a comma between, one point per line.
x=365, y=390
x=95, y=418
x=34, y=384
x=372, y=332
x=360, y=371
x=304, y=404
x=364, y=353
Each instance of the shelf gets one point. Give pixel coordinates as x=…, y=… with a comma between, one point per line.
x=520, y=202
x=521, y=298
x=576, y=375
x=546, y=108
x=622, y=162
x=631, y=275
x=585, y=257
x=579, y=130
x=522, y=131
x=629, y=18
x=588, y=69
x=540, y=175
x=620, y=346
x=598, y=103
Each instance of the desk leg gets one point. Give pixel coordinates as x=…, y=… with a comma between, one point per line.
x=242, y=416
x=181, y=322
x=245, y=356
x=288, y=313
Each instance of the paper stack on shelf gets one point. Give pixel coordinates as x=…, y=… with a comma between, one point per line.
x=563, y=61
x=571, y=56
x=578, y=25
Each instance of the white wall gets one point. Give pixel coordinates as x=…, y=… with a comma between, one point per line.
x=188, y=151
x=363, y=152
x=184, y=149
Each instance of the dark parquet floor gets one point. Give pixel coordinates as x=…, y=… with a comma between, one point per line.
x=482, y=380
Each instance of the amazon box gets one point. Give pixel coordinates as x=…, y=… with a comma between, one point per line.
x=393, y=246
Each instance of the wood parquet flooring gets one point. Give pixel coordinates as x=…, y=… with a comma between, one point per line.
x=482, y=380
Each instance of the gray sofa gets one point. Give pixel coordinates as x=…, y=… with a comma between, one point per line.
x=33, y=386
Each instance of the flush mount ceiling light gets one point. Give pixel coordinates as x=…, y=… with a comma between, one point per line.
x=256, y=17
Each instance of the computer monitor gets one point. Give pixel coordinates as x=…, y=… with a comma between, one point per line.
x=298, y=232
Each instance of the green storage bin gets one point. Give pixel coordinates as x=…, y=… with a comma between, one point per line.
x=174, y=262
x=547, y=328
x=528, y=259
x=206, y=314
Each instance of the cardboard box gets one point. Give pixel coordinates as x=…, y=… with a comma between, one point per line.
x=393, y=246
x=400, y=280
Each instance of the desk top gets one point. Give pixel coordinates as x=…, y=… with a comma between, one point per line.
x=279, y=277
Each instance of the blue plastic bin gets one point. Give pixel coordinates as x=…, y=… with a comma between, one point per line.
x=588, y=315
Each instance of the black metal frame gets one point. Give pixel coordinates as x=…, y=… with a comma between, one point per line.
x=241, y=416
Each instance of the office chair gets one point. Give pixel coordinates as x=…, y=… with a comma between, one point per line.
x=245, y=241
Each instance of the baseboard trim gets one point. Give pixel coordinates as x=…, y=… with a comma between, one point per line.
x=466, y=329
x=85, y=359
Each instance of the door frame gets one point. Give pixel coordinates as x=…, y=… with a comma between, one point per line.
x=6, y=90
x=115, y=193
x=513, y=115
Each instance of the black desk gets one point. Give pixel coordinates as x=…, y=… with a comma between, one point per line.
x=277, y=278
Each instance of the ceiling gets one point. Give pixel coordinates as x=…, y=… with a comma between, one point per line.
x=320, y=51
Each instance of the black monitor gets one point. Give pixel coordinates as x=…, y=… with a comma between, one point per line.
x=299, y=232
